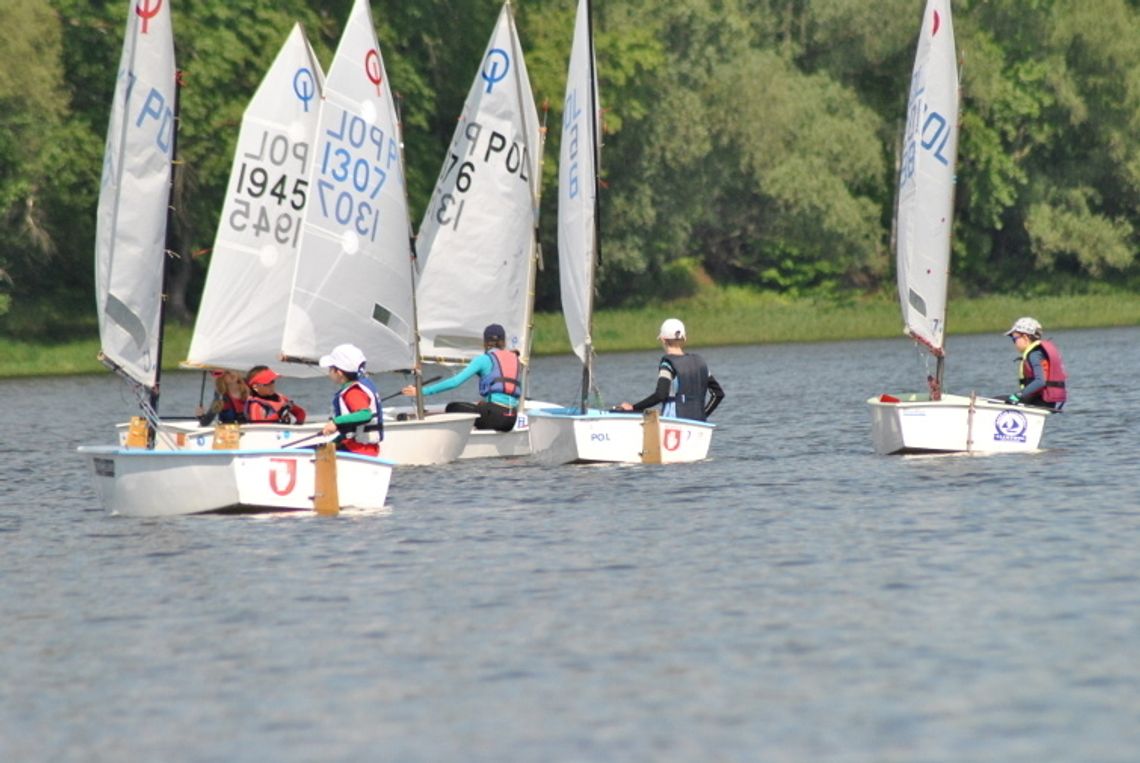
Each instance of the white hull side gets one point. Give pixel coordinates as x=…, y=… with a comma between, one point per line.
x=600, y=436
x=917, y=424
x=488, y=444
x=156, y=483
x=436, y=440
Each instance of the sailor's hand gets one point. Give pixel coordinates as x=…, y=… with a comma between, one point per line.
x=1013, y=400
x=409, y=391
x=625, y=407
x=329, y=428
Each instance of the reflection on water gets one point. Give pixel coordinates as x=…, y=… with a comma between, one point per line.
x=793, y=598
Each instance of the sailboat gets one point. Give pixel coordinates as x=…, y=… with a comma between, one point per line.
x=251, y=268
x=477, y=249
x=935, y=422
x=583, y=434
x=140, y=479
x=352, y=279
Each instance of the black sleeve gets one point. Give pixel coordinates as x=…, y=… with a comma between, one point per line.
x=660, y=395
x=717, y=395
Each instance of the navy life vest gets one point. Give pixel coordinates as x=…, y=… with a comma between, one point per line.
x=690, y=387
x=372, y=431
x=504, y=375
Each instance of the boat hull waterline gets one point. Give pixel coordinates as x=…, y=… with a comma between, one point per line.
x=156, y=483
x=564, y=436
x=435, y=440
x=913, y=423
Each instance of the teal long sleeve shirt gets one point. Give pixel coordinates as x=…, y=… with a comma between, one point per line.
x=480, y=366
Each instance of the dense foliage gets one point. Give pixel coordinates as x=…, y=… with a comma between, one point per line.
x=750, y=141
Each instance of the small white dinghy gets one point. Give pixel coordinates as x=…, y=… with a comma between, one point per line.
x=582, y=434
x=913, y=423
x=933, y=422
x=143, y=482
x=566, y=436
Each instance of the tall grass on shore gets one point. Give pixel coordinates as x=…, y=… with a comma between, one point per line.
x=732, y=316
x=715, y=317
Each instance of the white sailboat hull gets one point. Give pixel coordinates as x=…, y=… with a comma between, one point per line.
x=563, y=436
x=156, y=483
x=954, y=424
x=435, y=440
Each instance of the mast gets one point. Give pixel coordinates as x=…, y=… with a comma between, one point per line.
x=169, y=249
x=417, y=359
x=536, y=193
x=536, y=258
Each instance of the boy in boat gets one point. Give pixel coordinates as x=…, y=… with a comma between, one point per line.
x=265, y=405
x=1041, y=371
x=683, y=380
x=356, y=404
x=499, y=371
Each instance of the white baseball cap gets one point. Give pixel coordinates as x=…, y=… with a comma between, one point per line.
x=672, y=329
x=1028, y=326
x=346, y=357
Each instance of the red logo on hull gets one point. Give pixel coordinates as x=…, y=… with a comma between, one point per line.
x=282, y=468
x=671, y=439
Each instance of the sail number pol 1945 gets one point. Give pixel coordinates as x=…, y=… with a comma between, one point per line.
x=270, y=189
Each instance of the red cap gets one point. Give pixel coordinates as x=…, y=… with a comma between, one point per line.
x=264, y=376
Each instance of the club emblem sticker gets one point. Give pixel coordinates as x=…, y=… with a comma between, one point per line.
x=1010, y=426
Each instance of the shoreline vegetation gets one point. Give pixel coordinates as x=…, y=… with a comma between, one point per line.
x=716, y=317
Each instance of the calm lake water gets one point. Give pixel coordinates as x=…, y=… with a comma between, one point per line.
x=794, y=598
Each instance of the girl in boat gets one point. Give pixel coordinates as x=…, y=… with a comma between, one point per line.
x=500, y=373
x=265, y=405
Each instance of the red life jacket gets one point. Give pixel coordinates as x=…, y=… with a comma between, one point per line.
x=279, y=411
x=1054, y=366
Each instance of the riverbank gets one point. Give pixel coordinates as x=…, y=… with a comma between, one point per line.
x=717, y=317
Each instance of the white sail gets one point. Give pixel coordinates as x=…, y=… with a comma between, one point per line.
x=577, y=188
x=240, y=320
x=130, y=238
x=476, y=244
x=353, y=279
x=926, y=180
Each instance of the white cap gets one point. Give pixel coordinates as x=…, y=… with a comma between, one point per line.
x=672, y=329
x=1028, y=326
x=346, y=357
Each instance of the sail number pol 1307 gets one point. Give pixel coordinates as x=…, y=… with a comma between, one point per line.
x=355, y=164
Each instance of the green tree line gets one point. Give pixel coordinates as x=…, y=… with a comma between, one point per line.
x=746, y=141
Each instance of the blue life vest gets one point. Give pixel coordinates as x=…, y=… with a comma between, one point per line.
x=372, y=431
x=504, y=375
